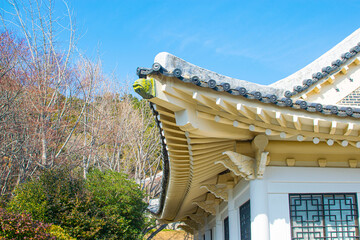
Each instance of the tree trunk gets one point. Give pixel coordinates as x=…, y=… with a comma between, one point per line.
x=43, y=147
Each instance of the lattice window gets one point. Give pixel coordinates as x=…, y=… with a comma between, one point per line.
x=324, y=216
x=226, y=229
x=245, y=221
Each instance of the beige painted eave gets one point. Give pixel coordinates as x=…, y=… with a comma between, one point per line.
x=199, y=124
x=210, y=113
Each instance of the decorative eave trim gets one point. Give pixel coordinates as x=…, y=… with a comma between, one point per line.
x=253, y=95
x=239, y=164
x=165, y=163
x=219, y=191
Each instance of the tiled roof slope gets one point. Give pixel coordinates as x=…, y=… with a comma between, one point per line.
x=170, y=62
x=323, y=67
x=172, y=66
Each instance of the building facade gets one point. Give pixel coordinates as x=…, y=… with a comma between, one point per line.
x=248, y=161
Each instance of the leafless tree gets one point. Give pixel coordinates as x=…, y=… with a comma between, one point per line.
x=47, y=70
x=38, y=87
x=119, y=133
x=57, y=108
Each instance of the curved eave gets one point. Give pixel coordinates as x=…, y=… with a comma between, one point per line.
x=199, y=124
x=188, y=165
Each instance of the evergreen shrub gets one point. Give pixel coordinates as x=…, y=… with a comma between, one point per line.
x=105, y=206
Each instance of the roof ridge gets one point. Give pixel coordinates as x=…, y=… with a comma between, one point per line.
x=170, y=62
x=271, y=98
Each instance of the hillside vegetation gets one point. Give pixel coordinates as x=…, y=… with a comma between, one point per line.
x=78, y=153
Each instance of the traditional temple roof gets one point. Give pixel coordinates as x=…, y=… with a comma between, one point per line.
x=206, y=118
x=321, y=70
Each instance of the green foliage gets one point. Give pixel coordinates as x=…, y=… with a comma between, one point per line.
x=31, y=198
x=47, y=199
x=59, y=233
x=22, y=226
x=105, y=206
x=120, y=201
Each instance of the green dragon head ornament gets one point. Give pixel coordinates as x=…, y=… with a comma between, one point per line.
x=145, y=87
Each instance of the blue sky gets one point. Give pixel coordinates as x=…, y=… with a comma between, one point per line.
x=259, y=41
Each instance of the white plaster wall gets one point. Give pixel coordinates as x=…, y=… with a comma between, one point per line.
x=279, y=216
x=280, y=182
x=208, y=234
x=284, y=180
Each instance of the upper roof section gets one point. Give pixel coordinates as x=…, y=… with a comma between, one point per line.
x=188, y=70
x=304, y=83
x=292, y=86
x=327, y=64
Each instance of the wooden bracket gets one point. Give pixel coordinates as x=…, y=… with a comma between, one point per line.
x=239, y=164
x=219, y=191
